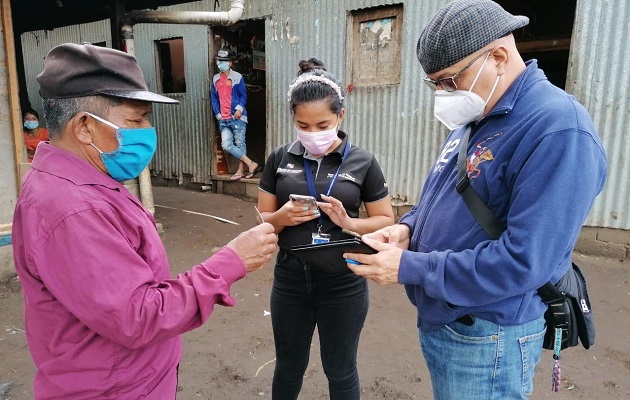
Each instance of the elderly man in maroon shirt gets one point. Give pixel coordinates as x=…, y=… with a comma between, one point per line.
x=103, y=314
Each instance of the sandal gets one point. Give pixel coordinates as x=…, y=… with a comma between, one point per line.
x=250, y=174
x=237, y=176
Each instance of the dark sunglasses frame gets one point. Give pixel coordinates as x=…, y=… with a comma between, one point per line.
x=448, y=84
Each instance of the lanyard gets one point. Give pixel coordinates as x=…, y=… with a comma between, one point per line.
x=311, y=185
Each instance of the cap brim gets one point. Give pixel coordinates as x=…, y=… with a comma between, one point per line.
x=519, y=22
x=141, y=95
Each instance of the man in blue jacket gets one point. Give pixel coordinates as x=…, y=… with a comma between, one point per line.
x=536, y=160
x=229, y=96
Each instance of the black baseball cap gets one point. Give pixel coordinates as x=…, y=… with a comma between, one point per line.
x=79, y=70
x=225, y=54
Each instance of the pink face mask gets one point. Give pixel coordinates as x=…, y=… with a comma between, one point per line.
x=317, y=142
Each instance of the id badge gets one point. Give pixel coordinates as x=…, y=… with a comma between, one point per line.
x=319, y=238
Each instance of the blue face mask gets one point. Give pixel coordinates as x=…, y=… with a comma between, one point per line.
x=223, y=65
x=30, y=125
x=136, y=147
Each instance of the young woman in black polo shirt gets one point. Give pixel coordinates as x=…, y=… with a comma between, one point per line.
x=324, y=164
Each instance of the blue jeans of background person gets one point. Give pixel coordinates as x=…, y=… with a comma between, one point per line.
x=484, y=361
x=233, y=137
x=338, y=305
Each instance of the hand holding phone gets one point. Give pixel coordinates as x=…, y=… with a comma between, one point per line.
x=304, y=201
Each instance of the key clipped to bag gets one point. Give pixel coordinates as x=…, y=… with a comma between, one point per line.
x=558, y=315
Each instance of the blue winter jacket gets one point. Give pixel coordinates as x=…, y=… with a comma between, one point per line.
x=239, y=95
x=538, y=163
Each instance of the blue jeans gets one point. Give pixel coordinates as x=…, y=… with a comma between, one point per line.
x=233, y=137
x=484, y=361
x=338, y=304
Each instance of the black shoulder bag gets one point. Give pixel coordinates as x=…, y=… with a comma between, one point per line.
x=568, y=305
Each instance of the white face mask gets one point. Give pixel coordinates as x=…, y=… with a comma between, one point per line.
x=460, y=107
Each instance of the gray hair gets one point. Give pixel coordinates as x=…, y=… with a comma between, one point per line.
x=57, y=112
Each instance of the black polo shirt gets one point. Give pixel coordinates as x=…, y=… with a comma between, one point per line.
x=360, y=179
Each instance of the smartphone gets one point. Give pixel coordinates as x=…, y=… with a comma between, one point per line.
x=309, y=201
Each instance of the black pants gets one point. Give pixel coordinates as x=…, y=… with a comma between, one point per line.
x=338, y=305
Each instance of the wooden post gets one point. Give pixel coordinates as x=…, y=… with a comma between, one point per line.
x=12, y=85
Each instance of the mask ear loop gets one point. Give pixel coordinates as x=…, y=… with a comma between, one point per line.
x=106, y=122
x=97, y=149
x=479, y=73
x=96, y=117
x=496, y=82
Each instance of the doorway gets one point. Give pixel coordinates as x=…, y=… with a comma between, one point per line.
x=547, y=37
x=247, y=40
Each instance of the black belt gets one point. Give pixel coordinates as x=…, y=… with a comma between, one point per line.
x=466, y=319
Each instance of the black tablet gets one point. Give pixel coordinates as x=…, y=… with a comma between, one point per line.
x=328, y=257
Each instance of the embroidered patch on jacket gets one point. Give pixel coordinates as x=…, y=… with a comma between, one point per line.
x=482, y=154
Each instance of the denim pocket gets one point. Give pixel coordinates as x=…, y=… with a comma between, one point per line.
x=480, y=332
x=531, y=350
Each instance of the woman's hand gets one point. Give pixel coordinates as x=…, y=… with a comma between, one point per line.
x=336, y=212
x=296, y=214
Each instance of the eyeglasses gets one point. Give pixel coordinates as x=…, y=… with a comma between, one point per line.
x=449, y=84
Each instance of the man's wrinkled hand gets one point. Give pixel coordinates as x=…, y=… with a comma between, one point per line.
x=397, y=234
x=255, y=246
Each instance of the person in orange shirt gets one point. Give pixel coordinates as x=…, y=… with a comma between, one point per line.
x=33, y=132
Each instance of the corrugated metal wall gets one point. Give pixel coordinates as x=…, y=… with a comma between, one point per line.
x=599, y=77
x=36, y=44
x=394, y=122
x=184, y=142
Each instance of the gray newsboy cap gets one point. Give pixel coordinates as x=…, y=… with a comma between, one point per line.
x=460, y=28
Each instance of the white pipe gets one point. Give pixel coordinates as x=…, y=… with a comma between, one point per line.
x=182, y=17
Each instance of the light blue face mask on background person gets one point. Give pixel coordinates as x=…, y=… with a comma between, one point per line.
x=30, y=125
x=136, y=147
x=223, y=66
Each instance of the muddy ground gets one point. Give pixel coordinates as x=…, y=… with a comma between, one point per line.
x=231, y=357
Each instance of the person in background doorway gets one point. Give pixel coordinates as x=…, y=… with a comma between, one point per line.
x=103, y=315
x=34, y=133
x=321, y=162
x=229, y=97
x=531, y=153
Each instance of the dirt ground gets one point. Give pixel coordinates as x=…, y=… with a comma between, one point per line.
x=232, y=356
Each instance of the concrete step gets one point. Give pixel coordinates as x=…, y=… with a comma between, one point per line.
x=243, y=188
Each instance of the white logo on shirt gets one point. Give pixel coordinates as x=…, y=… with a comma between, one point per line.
x=446, y=155
x=289, y=171
x=344, y=175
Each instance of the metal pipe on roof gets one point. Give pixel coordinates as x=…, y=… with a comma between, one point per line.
x=181, y=17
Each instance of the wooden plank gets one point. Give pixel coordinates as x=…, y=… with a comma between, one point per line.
x=5, y=228
x=543, y=45
x=12, y=85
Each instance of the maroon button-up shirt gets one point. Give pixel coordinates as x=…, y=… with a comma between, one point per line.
x=103, y=316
